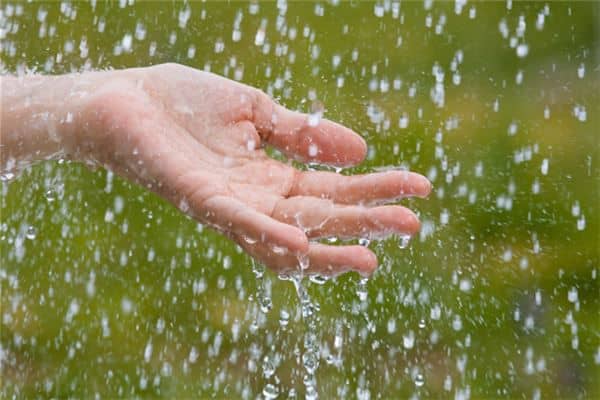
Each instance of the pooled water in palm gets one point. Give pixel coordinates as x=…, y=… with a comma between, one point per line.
x=108, y=291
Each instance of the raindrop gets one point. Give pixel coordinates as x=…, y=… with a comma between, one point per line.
x=403, y=241
x=581, y=223
x=580, y=113
x=573, y=295
x=575, y=209
x=219, y=46
x=284, y=318
x=318, y=279
x=361, y=289
x=419, y=380
x=259, y=39
x=408, y=340
x=265, y=304
x=519, y=78
x=31, y=232
x=457, y=323
x=310, y=361
x=268, y=367
x=472, y=12
x=316, y=113
x=270, y=391
x=522, y=50
x=465, y=285
x=6, y=176
x=539, y=22
x=364, y=242
x=581, y=71
x=391, y=325
x=444, y=217
x=403, y=122
x=544, y=167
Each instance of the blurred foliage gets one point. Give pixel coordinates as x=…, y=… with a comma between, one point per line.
x=107, y=290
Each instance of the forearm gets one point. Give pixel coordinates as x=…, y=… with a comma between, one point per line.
x=39, y=117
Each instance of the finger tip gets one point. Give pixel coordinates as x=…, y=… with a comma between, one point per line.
x=299, y=242
x=353, y=149
x=362, y=145
x=413, y=224
x=366, y=262
x=425, y=187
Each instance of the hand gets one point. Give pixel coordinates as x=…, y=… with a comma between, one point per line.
x=198, y=140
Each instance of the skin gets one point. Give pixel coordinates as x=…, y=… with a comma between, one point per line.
x=198, y=140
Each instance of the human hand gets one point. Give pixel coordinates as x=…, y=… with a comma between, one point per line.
x=198, y=140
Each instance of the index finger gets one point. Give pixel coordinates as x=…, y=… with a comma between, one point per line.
x=306, y=138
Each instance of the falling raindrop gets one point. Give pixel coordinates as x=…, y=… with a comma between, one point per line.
x=270, y=391
x=361, y=289
x=316, y=113
x=31, y=232
x=419, y=380
x=284, y=318
x=522, y=50
x=364, y=242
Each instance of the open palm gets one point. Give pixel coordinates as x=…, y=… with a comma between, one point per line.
x=198, y=140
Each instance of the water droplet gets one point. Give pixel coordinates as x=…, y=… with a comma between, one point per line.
x=259, y=39
x=403, y=241
x=284, y=318
x=403, y=121
x=6, y=176
x=364, y=242
x=148, y=352
x=361, y=289
x=249, y=240
x=580, y=113
x=575, y=209
x=581, y=223
x=544, y=167
x=522, y=50
x=573, y=295
x=31, y=232
x=265, y=304
x=310, y=362
x=303, y=262
x=465, y=285
x=279, y=250
x=270, y=391
x=318, y=279
x=268, y=367
x=313, y=150
x=422, y=323
x=316, y=113
x=408, y=340
x=419, y=380
x=444, y=217
x=581, y=71
x=546, y=113
x=519, y=78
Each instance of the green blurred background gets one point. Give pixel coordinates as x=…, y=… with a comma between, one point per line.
x=107, y=291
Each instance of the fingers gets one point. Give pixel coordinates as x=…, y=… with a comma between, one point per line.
x=309, y=139
x=322, y=218
x=361, y=189
x=233, y=216
x=322, y=259
x=334, y=260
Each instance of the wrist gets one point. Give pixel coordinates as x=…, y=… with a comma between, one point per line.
x=41, y=116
